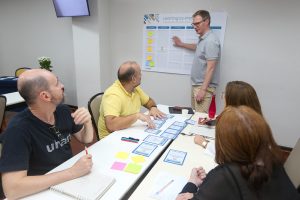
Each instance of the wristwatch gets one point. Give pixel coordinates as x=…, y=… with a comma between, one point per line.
x=204, y=144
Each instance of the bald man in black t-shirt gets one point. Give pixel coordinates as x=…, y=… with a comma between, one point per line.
x=38, y=139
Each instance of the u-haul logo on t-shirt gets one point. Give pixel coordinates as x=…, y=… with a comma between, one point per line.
x=57, y=144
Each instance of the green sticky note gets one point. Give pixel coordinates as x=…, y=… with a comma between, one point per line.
x=133, y=168
x=150, y=33
x=151, y=63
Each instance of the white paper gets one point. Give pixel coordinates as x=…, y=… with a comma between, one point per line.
x=163, y=189
x=203, y=130
x=210, y=149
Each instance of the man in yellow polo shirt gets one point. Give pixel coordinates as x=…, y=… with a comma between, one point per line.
x=121, y=102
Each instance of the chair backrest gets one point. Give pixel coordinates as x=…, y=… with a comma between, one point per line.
x=94, y=107
x=2, y=108
x=292, y=165
x=2, y=112
x=0, y=149
x=20, y=70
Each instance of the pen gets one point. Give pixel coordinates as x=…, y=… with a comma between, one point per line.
x=207, y=137
x=86, y=150
x=131, y=138
x=163, y=188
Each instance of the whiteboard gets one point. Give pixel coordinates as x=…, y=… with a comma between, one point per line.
x=159, y=53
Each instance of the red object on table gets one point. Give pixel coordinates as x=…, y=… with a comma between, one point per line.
x=212, y=107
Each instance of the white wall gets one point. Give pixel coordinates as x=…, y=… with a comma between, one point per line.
x=106, y=57
x=91, y=39
x=30, y=29
x=261, y=47
x=87, y=54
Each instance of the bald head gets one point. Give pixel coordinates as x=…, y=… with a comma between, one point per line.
x=32, y=82
x=127, y=70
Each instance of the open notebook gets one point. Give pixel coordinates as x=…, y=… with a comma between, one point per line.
x=90, y=187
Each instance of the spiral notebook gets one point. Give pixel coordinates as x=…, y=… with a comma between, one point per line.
x=90, y=187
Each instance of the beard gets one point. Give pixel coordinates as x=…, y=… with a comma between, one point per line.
x=58, y=100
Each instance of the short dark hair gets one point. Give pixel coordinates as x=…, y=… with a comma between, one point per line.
x=30, y=89
x=127, y=75
x=203, y=13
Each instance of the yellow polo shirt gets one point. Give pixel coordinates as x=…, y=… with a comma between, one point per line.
x=116, y=101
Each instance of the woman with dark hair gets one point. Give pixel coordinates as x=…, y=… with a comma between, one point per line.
x=237, y=93
x=250, y=162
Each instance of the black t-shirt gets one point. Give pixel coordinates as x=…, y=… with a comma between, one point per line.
x=226, y=182
x=33, y=145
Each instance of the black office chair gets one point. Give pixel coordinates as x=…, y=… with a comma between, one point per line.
x=2, y=112
x=94, y=107
x=2, y=109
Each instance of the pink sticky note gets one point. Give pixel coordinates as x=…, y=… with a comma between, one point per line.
x=118, y=166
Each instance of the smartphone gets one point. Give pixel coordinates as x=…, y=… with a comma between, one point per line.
x=211, y=122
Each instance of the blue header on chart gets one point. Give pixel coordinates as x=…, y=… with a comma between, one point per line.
x=216, y=27
x=150, y=27
x=177, y=27
x=163, y=27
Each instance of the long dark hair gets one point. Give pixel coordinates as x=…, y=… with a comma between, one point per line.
x=243, y=137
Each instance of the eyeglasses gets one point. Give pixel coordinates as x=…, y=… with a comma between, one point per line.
x=197, y=23
x=56, y=132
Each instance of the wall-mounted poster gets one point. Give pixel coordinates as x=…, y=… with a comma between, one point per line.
x=159, y=54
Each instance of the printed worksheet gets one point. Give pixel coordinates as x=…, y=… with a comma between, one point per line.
x=145, y=149
x=175, y=157
x=156, y=139
x=153, y=131
x=172, y=131
x=175, y=127
x=158, y=123
x=182, y=124
x=168, y=135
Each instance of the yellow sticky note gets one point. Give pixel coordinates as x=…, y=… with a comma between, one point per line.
x=149, y=58
x=151, y=64
x=122, y=155
x=150, y=33
x=138, y=159
x=133, y=168
x=149, y=49
x=150, y=41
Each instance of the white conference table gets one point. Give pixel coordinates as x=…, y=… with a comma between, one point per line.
x=196, y=156
x=104, y=152
x=13, y=98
